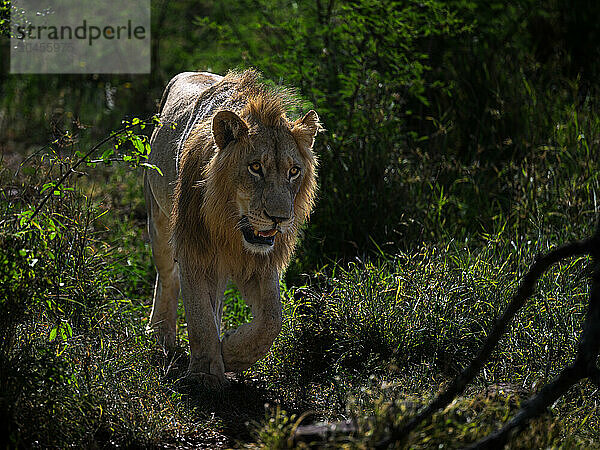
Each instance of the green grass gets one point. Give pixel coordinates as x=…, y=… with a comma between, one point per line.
x=368, y=337
x=450, y=161
x=369, y=340
x=481, y=182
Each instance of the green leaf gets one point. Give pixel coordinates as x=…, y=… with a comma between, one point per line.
x=47, y=186
x=152, y=166
x=108, y=153
x=53, y=333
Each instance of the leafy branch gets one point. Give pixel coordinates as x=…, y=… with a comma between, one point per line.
x=136, y=157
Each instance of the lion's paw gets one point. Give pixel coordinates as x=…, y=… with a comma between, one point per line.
x=207, y=371
x=208, y=380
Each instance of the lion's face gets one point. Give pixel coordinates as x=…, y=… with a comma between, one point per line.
x=270, y=176
x=271, y=169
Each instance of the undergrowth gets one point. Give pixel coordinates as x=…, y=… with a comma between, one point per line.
x=364, y=342
x=448, y=163
x=369, y=341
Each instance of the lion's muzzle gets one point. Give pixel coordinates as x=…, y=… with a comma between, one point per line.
x=255, y=237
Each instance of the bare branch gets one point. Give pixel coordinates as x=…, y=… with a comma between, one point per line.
x=595, y=376
x=523, y=293
x=533, y=408
x=583, y=367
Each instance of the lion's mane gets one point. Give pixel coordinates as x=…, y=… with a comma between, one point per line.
x=204, y=220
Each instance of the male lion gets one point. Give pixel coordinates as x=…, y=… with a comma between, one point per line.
x=238, y=180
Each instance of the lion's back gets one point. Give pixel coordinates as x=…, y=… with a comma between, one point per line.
x=180, y=108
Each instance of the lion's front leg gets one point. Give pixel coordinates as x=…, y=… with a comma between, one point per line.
x=200, y=300
x=251, y=341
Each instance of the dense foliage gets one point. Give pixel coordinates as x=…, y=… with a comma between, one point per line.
x=461, y=139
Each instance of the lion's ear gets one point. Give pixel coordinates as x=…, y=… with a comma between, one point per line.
x=306, y=129
x=227, y=126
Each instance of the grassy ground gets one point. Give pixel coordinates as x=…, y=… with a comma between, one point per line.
x=367, y=340
x=463, y=153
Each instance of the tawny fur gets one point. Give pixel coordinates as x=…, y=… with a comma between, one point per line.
x=204, y=218
x=217, y=124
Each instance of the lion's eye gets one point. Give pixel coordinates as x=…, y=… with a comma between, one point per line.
x=294, y=172
x=255, y=169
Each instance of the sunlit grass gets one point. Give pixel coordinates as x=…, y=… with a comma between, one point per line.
x=370, y=340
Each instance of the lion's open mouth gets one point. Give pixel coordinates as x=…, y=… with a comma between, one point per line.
x=256, y=237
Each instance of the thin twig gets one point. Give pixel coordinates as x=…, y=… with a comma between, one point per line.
x=33, y=155
x=81, y=160
x=595, y=376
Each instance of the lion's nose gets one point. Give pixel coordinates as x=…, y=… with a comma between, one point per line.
x=276, y=219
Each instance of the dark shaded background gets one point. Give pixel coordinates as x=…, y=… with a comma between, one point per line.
x=437, y=112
